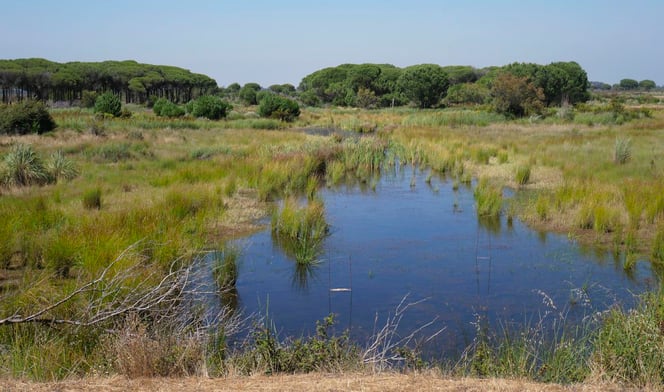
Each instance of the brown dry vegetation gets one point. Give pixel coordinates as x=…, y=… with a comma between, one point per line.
x=308, y=382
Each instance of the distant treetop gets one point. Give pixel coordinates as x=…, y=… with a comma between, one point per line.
x=135, y=82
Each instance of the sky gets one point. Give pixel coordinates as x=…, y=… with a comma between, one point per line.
x=275, y=42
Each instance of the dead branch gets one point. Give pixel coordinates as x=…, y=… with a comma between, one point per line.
x=381, y=352
x=111, y=296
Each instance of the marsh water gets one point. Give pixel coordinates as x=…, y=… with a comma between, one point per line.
x=406, y=237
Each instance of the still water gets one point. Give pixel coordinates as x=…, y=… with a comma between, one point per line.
x=403, y=236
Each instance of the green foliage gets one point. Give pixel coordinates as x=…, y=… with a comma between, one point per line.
x=467, y=94
x=210, y=107
x=424, y=84
x=25, y=117
x=516, y=96
x=323, y=352
x=136, y=82
x=629, y=346
x=61, y=167
x=488, y=199
x=24, y=167
x=300, y=231
x=453, y=118
x=628, y=84
x=108, y=103
x=522, y=174
x=226, y=268
x=92, y=199
x=275, y=106
x=657, y=252
x=88, y=99
x=165, y=108
x=60, y=255
x=647, y=85
x=248, y=93
x=527, y=354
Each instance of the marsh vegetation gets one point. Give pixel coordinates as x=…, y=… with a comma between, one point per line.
x=167, y=188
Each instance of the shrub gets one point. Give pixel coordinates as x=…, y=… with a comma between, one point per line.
x=282, y=108
x=165, y=108
x=92, y=199
x=108, y=103
x=25, y=117
x=24, y=167
x=89, y=98
x=516, y=96
x=208, y=106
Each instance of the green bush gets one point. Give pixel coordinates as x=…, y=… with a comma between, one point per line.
x=89, y=98
x=208, y=106
x=165, y=108
x=25, y=117
x=274, y=106
x=108, y=103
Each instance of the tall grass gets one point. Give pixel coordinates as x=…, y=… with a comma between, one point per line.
x=226, y=268
x=488, y=198
x=453, y=118
x=300, y=230
x=522, y=174
x=629, y=347
x=622, y=152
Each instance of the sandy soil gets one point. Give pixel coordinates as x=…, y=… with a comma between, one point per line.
x=304, y=382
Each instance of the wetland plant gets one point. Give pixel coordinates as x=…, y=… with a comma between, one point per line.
x=226, y=267
x=522, y=174
x=300, y=230
x=488, y=198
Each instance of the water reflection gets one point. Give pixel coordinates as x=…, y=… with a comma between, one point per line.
x=304, y=274
x=405, y=239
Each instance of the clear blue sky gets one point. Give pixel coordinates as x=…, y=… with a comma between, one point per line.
x=282, y=41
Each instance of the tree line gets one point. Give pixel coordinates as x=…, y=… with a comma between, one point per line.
x=515, y=89
x=534, y=86
x=132, y=81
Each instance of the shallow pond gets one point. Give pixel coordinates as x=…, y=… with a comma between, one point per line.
x=406, y=237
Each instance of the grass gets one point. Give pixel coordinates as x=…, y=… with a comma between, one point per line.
x=226, y=268
x=522, y=174
x=488, y=199
x=622, y=151
x=92, y=199
x=300, y=230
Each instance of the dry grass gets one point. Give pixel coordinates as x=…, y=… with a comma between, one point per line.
x=306, y=382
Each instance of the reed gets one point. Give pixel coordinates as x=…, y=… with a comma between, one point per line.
x=488, y=198
x=300, y=230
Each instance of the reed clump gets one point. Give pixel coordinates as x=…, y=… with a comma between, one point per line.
x=488, y=198
x=300, y=230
